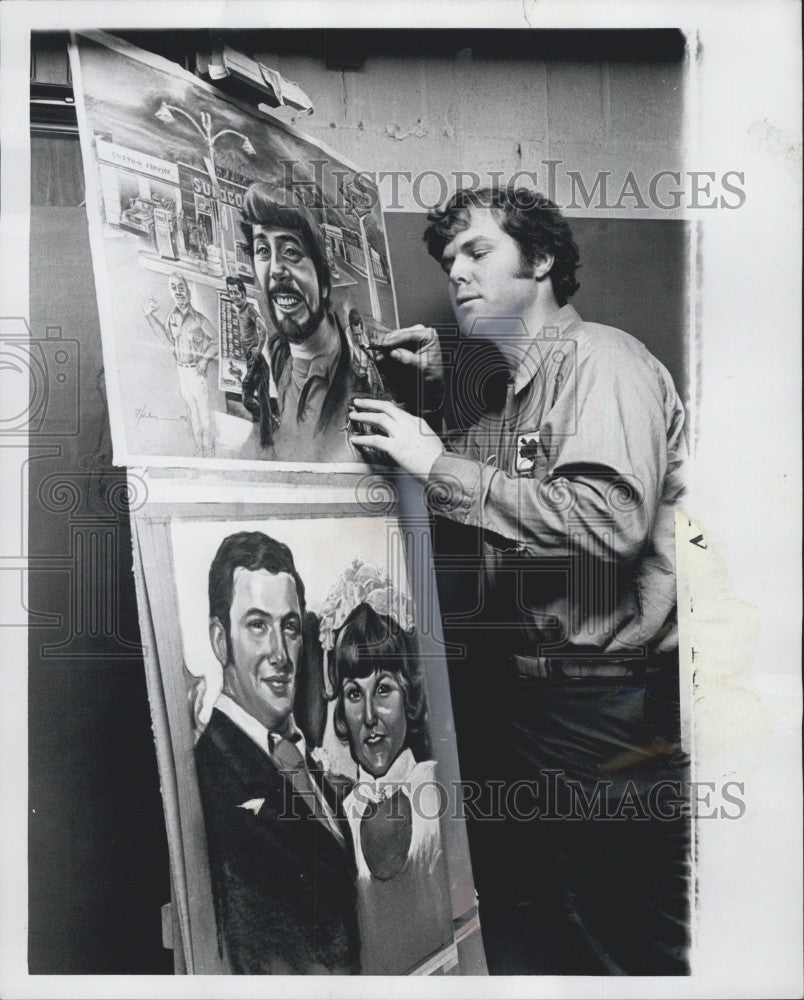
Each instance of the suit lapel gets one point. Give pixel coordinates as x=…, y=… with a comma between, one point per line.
x=334, y=797
x=261, y=778
x=322, y=785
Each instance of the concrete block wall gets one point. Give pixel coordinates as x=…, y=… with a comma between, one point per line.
x=448, y=114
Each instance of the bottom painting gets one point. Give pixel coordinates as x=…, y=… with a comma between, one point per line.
x=305, y=750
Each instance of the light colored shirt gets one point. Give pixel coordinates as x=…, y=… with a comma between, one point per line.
x=573, y=483
x=253, y=728
x=302, y=387
x=190, y=334
x=407, y=917
x=397, y=776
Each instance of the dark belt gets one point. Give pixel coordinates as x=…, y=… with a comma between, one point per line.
x=187, y=364
x=552, y=668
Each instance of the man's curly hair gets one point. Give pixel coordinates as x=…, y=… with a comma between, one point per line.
x=528, y=217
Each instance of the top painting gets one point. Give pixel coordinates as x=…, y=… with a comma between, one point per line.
x=242, y=272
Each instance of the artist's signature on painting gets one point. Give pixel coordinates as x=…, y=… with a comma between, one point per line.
x=145, y=413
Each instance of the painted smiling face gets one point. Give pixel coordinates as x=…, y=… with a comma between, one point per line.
x=374, y=711
x=179, y=291
x=289, y=281
x=264, y=645
x=237, y=295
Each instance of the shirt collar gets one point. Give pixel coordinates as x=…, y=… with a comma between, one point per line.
x=255, y=729
x=189, y=312
x=322, y=365
x=553, y=329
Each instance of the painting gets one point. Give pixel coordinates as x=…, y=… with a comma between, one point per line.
x=242, y=272
x=311, y=824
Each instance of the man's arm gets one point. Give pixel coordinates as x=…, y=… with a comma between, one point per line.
x=149, y=307
x=603, y=457
x=262, y=332
x=211, y=349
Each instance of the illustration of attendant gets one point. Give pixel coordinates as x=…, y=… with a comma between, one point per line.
x=404, y=910
x=259, y=389
x=364, y=361
x=194, y=344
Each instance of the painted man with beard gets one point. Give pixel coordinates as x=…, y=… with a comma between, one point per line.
x=310, y=356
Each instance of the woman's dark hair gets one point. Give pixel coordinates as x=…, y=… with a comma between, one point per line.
x=530, y=218
x=368, y=641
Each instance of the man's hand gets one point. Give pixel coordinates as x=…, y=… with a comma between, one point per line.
x=150, y=306
x=417, y=346
x=411, y=361
x=407, y=440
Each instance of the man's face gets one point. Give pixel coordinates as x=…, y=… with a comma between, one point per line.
x=237, y=295
x=488, y=278
x=374, y=710
x=265, y=643
x=180, y=292
x=289, y=282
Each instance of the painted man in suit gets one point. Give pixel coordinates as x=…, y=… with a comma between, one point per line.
x=282, y=877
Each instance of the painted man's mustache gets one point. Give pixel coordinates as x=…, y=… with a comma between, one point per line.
x=284, y=288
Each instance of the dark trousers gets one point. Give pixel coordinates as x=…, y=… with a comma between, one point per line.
x=257, y=399
x=579, y=842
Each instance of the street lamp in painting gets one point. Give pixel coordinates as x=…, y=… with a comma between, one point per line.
x=165, y=114
x=359, y=203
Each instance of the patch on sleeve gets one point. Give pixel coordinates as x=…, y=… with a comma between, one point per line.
x=527, y=450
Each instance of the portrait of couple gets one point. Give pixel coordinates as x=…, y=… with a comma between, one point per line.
x=312, y=872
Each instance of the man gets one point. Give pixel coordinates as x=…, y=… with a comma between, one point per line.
x=282, y=879
x=259, y=390
x=363, y=360
x=194, y=344
x=568, y=484
x=310, y=356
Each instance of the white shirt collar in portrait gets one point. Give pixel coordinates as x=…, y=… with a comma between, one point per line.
x=255, y=729
x=395, y=777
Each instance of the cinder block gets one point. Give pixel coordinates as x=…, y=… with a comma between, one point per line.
x=532, y=158
x=647, y=100
x=502, y=98
x=487, y=155
x=441, y=96
x=385, y=92
x=643, y=160
x=575, y=102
